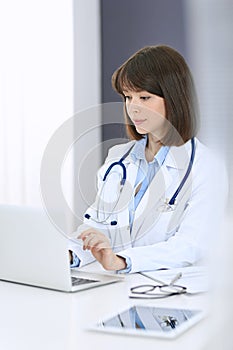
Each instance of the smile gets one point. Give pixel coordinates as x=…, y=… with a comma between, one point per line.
x=138, y=122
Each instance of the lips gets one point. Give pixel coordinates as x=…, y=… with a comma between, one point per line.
x=139, y=121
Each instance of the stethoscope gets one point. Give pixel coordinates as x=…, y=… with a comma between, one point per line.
x=168, y=205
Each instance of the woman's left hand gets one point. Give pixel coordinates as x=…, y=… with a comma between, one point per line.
x=100, y=247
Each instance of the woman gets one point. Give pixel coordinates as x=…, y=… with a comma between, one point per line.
x=162, y=216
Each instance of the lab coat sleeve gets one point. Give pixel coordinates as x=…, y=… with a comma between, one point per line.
x=200, y=225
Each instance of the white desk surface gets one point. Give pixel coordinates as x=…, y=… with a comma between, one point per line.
x=39, y=319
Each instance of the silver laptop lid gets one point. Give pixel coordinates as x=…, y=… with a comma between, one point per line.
x=32, y=250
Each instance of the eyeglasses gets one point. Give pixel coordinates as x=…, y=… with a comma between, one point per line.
x=158, y=291
x=150, y=291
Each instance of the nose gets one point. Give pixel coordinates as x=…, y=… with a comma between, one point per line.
x=134, y=107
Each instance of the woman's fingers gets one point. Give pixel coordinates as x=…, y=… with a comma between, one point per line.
x=93, y=240
x=89, y=242
x=86, y=233
x=99, y=246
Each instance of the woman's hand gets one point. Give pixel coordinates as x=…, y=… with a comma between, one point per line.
x=99, y=245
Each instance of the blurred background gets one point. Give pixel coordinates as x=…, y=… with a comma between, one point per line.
x=56, y=61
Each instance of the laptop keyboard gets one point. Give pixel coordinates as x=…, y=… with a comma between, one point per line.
x=76, y=281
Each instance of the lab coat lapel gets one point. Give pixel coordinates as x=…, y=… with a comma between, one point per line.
x=177, y=160
x=150, y=200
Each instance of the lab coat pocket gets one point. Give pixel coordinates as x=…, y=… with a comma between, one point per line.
x=163, y=223
x=156, y=226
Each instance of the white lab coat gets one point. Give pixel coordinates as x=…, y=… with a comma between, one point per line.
x=161, y=239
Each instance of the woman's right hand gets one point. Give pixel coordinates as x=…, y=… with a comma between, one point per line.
x=100, y=247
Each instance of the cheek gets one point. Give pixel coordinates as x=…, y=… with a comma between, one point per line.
x=156, y=117
x=162, y=109
x=131, y=108
x=127, y=109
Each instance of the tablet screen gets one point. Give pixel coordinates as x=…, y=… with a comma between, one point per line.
x=152, y=321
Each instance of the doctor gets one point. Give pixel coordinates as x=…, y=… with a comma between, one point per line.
x=158, y=203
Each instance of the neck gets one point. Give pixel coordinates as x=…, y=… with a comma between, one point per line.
x=152, y=148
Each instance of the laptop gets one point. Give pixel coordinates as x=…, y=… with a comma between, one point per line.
x=34, y=252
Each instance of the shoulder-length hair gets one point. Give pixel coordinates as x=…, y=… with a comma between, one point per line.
x=162, y=71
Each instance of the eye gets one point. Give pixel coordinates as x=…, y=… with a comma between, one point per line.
x=145, y=98
x=126, y=97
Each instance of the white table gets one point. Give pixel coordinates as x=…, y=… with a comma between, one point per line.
x=38, y=319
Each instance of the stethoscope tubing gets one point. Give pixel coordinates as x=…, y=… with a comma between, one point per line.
x=173, y=198
x=122, y=165
x=124, y=176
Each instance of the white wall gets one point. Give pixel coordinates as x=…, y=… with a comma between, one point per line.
x=49, y=76
x=87, y=98
x=36, y=89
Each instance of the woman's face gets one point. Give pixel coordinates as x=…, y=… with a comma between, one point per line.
x=147, y=112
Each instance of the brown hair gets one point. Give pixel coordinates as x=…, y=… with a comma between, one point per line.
x=162, y=71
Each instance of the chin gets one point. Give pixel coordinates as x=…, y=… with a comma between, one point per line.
x=141, y=131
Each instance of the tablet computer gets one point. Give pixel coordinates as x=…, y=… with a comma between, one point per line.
x=150, y=321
